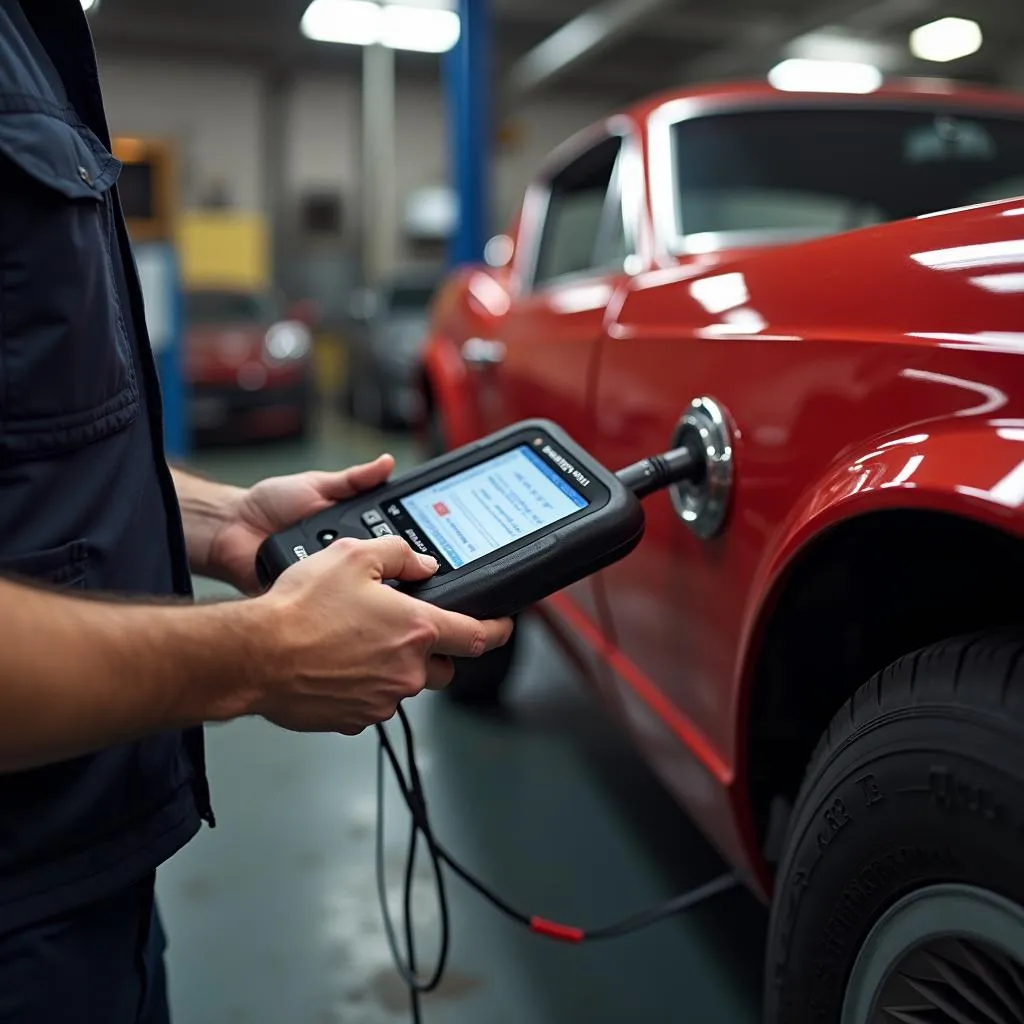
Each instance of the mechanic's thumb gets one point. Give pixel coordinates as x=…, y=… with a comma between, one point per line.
x=393, y=559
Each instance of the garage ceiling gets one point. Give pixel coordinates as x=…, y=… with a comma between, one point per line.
x=670, y=42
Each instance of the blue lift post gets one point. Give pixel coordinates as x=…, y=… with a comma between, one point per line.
x=467, y=73
x=160, y=277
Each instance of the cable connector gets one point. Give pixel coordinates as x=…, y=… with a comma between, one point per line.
x=656, y=473
x=554, y=930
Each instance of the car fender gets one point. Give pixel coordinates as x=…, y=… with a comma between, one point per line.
x=446, y=378
x=967, y=467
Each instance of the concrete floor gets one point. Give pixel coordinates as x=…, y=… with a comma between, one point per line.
x=273, y=918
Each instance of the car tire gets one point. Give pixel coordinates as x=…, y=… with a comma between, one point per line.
x=901, y=884
x=482, y=682
x=367, y=403
x=431, y=437
x=307, y=418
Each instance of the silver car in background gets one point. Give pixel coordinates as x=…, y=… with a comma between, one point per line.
x=389, y=326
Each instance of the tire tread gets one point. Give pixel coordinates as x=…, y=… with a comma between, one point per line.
x=974, y=681
x=994, y=662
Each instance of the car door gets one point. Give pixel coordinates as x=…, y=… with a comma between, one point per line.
x=541, y=358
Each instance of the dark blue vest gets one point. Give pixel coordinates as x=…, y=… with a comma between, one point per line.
x=86, y=498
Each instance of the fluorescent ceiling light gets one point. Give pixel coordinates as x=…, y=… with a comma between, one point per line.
x=946, y=39
x=356, y=22
x=88, y=5
x=425, y=29
x=397, y=26
x=802, y=75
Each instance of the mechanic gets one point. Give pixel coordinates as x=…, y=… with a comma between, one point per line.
x=102, y=700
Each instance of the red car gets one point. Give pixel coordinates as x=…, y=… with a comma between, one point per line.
x=820, y=647
x=249, y=369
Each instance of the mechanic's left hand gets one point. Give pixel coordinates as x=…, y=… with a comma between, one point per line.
x=277, y=503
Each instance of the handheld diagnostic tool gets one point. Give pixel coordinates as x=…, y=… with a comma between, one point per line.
x=511, y=519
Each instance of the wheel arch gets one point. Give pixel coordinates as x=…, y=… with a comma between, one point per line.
x=856, y=583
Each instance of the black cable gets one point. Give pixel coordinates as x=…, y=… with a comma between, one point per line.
x=647, y=476
x=683, y=463
x=410, y=786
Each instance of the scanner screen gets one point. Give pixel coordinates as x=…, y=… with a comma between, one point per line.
x=493, y=504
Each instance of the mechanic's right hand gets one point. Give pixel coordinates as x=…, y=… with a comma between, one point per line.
x=345, y=649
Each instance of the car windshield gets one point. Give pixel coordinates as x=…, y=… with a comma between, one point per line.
x=409, y=298
x=750, y=178
x=222, y=307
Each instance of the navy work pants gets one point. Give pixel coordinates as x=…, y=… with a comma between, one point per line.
x=102, y=964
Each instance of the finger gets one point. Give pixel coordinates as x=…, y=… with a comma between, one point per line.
x=440, y=671
x=351, y=481
x=463, y=637
x=391, y=558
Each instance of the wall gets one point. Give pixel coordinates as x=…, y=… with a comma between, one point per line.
x=215, y=115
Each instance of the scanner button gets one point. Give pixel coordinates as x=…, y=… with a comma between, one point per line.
x=383, y=531
x=327, y=537
x=372, y=518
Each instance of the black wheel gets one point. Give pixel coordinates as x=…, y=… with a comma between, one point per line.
x=307, y=421
x=368, y=402
x=900, y=897
x=431, y=436
x=480, y=682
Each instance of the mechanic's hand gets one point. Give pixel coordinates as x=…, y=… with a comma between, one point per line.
x=346, y=649
x=275, y=504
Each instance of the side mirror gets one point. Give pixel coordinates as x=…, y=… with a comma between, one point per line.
x=499, y=251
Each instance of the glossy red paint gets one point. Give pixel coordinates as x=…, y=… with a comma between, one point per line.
x=874, y=369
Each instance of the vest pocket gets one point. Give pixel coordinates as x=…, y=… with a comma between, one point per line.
x=66, y=371
x=63, y=567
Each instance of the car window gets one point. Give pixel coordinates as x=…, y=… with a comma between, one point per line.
x=803, y=173
x=613, y=244
x=579, y=231
x=221, y=307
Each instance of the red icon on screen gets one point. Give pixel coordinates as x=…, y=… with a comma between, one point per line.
x=441, y=508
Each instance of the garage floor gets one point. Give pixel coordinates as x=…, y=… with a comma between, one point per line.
x=273, y=916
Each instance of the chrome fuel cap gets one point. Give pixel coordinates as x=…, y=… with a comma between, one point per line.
x=704, y=505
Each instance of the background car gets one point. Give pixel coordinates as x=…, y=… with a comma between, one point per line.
x=385, y=348
x=249, y=369
x=818, y=646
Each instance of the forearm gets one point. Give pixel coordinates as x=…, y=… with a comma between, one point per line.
x=205, y=505
x=78, y=675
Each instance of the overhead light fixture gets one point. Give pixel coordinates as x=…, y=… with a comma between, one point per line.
x=88, y=5
x=425, y=29
x=797, y=74
x=946, y=39
x=356, y=22
x=396, y=26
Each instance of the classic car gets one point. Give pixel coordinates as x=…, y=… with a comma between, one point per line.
x=819, y=647
x=248, y=367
